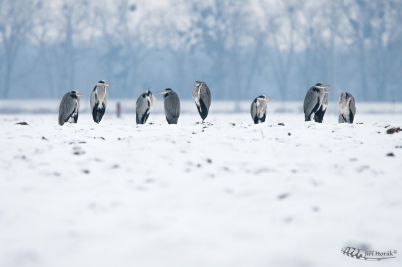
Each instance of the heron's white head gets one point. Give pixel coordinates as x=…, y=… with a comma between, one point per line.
x=264, y=98
x=147, y=94
x=322, y=86
x=76, y=93
x=197, y=84
x=104, y=83
x=164, y=92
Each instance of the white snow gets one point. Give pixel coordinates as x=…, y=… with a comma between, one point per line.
x=227, y=194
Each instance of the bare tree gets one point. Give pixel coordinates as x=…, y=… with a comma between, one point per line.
x=43, y=41
x=74, y=20
x=15, y=23
x=385, y=19
x=281, y=43
x=123, y=41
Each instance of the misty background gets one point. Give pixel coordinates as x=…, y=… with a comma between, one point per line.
x=241, y=49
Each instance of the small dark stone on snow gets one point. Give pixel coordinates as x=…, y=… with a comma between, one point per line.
x=198, y=165
x=233, y=124
x=283, y=196
x=289, y=134
x=281, y=124
x=209, y=160
x=316, y=209
x=44, y=138
x=393, y=130
x=22, y=123
x=391, y=154
x=86, y=171
x=288, y=220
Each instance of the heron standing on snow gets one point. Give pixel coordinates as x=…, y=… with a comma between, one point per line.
x=69, y=107
x=145, y=104
x=202, y=98
x=171, y=104
x=348, y=108
x=258, y=109
x=99, y=100
x=316, y=103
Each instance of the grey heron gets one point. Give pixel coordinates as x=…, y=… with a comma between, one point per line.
x=144, y=105
x=258, y=109
x=316, y=103
x=348, y=108
x=99, y=100
x=69, y=107
x=171, y=104
x=202, y=98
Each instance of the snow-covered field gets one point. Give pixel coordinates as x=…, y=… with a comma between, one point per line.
x=222, y=194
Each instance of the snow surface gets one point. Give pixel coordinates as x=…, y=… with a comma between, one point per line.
x=223, y=194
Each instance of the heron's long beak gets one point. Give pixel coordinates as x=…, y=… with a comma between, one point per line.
x=79, y=94
x=325, y=86
x=267, y=99
x=108, y=84
x=161, y=92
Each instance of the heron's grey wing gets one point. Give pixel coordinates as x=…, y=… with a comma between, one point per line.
x=93, y=99
x=253, y=109
x=172, y=105
x=67, y=108
x=194, y=93
x=142, y=107
x=310, y=101
x=205, y=95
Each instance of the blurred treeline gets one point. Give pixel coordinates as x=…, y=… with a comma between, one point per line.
x=240, y=48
